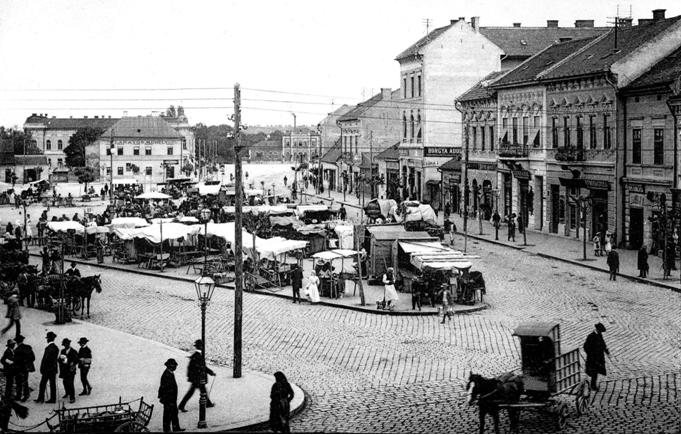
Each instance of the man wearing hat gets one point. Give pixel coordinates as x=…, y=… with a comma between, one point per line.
x=48, y=369
x=84, y=361
x=68, y=362
x=73, y=271
x=24, y=365
x=9, y=367
x=167, y=395
x=197, y=372
x=13, y=314
x=595, y=349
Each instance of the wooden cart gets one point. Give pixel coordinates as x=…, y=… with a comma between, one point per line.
x=548, y=374
x=117, y=417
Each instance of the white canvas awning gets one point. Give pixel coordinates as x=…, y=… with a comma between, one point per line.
x=208, y=189
x=152, y=233
x=128, y=222
x=65, y=226
x=153, y=195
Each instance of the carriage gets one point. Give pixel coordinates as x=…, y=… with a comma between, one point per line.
x=116, y=417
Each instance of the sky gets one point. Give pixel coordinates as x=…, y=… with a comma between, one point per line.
x=308, y=57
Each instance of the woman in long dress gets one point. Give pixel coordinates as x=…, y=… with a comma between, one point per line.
x=280, y=404
x=312, y=289
x=390, y=292
x=28, y=229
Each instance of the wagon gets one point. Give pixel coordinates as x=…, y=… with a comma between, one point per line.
x=117, y=417
x=548, y=374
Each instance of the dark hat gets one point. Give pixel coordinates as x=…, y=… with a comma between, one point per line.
x=65, y=341
x=10, y=342
x=600, y=327
x=171, y=362
x=82, y=340
x=51, y=335
x=19, y=338
x=73, y=264
x=198, y=343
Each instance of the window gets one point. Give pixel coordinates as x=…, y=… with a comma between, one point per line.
x=566, y=131
x=606, y=133
x=418, y=80
x=49, y=162
x=482, y=138
x=60, y=144
x=412, y=86
x=108, y=170
x=580, y=133
x=60, y=162
x=592, y=132
x=48, y=145
x=404, y=125
x=491, y=138
x=658, y=146
x=147, y=151
x=108, y=151
x=535, y=122
x=147, y=170
x=136, y=151
x=128, y=167
x=120, y=151
x=526, y=129
x=515, y=130
x=120, y=170
x=475, y=138
x=404, y=89
x=636, y=146
x=554, y=132
x=411, y=136
x=170, y=151
x=184, y=143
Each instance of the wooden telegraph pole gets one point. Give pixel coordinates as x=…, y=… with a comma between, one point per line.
x=238, y=243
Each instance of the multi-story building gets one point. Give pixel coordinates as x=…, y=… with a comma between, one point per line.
x=443, y=65
x=265, y=151
x=146, y=149
x=300, y=145
x=389, y=169
x=328, y=128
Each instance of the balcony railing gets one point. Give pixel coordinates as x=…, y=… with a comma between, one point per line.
x=513, y=151
x=570, y=154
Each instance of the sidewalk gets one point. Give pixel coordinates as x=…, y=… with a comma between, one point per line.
x=130, y=367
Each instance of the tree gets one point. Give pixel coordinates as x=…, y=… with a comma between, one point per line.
x=22, y=143
x=171, y=112
x=135, y=169
x=75, y=152
x=85, y=175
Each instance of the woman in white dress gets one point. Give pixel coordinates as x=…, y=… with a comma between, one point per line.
x=390, y=292
x=312, y=289
x=29, y=229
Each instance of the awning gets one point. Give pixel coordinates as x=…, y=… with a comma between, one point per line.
x=433, y=183
x=125, y=181
x=153, y=233
x=208, y=189
x=413, y=247
x=64, y=226
x=535, y=329
x=128, y=222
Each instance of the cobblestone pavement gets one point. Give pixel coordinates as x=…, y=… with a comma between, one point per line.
x=371, y=373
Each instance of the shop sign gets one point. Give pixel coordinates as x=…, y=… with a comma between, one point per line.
x=597, y=184
x=403, y=152
x=455, y=179
x=392, y=165
x=521, y=174
x=442, y=152
x=171, y=162
x=483, y=166
x=637, y=188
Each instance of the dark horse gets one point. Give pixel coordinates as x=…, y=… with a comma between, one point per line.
x=80, y=290
x=490, y=393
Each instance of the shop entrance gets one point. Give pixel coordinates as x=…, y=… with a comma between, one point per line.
x=635, y=227
x=555, y=208
x=508, y=198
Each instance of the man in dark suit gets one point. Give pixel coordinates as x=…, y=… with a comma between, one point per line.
x=68, y=362
x=84, y=362
x=9, y=368
x=613, y=263
x=196, y=373
x=297, y=283
x=167, y=395
x=73, y=271
x=24, y=359
x=48, y=369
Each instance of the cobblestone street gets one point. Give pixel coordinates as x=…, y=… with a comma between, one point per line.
x=371, y=373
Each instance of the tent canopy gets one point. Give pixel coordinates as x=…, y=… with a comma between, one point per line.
x=64, y=226
x=153, y=195
x=152, y=233
x=267, y=248
x=208, y=189
x=335, y=253
x=128, y=222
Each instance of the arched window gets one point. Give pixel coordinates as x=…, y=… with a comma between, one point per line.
x=412, y=126
x=404, y=125
x=48, y=145
x=418, y=123
x=60, y=144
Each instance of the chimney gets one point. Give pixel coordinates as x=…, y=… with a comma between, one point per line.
x=475, y=23
x=96, y=116
x=584, y=23
x=516, y=24
x=85, y=117
x=626, y=22
x=552, y=23
x=385, y=93
x=644, y=21
x=462, y=18
x=658, y=14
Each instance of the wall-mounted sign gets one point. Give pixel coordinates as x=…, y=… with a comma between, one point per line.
x=171, y=162
x=637, y=188
x=442, y=152
x=455, y=180
x=597, y=184
x=521, y=174
x=482, y=166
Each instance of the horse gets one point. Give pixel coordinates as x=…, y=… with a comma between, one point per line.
x=80, y=290
x=490, y=393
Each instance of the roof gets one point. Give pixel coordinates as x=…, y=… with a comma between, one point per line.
x=266, y=145
x=550, y=56
x=535, y=329
x=142, y=127
x=599, y=55
x=71, y=123
x=391, y=153
x=481, y=89
x=333, y=154
x=394, y=232
x=662, y=73
x=361, y=108
x=366, y=161
x=414, y=48
x=526, y=41
x=451, y=165
x=31, y=160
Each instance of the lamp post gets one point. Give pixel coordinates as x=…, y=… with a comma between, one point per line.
x=204, y=287
x=205, y=217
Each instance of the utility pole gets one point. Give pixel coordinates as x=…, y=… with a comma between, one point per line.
x=111, y=149
x=238, y=244
x=465, y=193
x=371, y=163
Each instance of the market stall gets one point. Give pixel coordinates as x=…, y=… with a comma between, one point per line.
x=380, y=246
x=334, y=268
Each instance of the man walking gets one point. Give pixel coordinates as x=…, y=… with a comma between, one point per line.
x=297, y=283
x=167, y=395
x=24, y=361
x=13, y=314
x=613, y=263
x=68, y=362
x=84, y=362
x=642, y=262
x=48, y=369
x=595, y=349
x=511, y=227
x=196, y=373
x=343, y=213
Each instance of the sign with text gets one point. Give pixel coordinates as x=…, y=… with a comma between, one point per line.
x=597, y=184
x=442, y=152
x=521, y=174
x=171, y=162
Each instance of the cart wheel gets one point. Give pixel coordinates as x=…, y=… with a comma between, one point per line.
x=562, y=416
x=131, y=427
x=583, y=398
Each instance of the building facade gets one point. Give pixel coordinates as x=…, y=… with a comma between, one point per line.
x=300, y=145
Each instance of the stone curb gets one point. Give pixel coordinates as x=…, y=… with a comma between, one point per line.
x=262, y=426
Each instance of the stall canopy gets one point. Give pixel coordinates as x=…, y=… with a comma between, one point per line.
x=266, y=248
x=345, y=236
x=302, y=209
x=153, y=195
x=283, y=221
x=188, y=220
x=435, y=256
x=257, y=209
x=342, y=260
x=208, y=189
x=65, y=226
x=421, y=212
x=152, y=233
x=128, y=222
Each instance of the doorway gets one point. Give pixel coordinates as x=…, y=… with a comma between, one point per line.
x=555, y=208
x=635, y=227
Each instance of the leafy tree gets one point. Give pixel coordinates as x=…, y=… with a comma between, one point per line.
x=135, y=169
x=85, y=175
x=21, y=142
x=75, y=152
x=171, y=112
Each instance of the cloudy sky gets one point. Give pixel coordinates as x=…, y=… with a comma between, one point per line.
x=103, y=57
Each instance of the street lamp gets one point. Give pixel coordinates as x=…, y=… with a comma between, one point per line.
x=204, y=287
x=205, y=217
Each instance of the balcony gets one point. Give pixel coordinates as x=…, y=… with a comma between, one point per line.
x=513, y=151
x=569, y=154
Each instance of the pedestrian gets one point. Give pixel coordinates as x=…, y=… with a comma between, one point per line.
x=73, y=271
x=643, y=262
x=48, y=369
x=25, y=359
x=613, y=264
x=343, y=213
x=416, y=295
x=13, y=314
x=452, y=231
x=511, y=228
x=167, y=395
x=28, y=229
x=312, y=289
x=45, y=254
x=84, y=362
x=280, y=404
x=521, y=225
x=285, y=180
x=390, y=294
x=595, y=349
x=448, y=210
x=68, y=363
x=597, y=245
x=608, y=242
x=9, y=367
x=197, y=375
x=296, y=282
x=445, y=295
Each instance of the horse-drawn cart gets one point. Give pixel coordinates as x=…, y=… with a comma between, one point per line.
x=117, y=417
